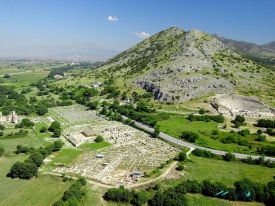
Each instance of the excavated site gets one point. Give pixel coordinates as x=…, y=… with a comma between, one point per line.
x=249, y=107
x=132, y=152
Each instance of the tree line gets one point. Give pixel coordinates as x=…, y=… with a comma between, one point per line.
x=74, y=194
x=231, y=157
x=206, y=118
x=29, y=168
x=243, y=190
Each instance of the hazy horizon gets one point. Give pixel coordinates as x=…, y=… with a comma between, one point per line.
x=119, y=25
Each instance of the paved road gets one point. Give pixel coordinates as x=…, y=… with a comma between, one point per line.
x=192, y=146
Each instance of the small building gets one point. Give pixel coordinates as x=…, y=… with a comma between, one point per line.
x=99, y=156
x=89, y=133
x=95, y=84
x=136, y=174
x=57, y=76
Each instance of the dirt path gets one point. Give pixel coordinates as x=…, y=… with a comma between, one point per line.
x=158, y=178
x=129, y=186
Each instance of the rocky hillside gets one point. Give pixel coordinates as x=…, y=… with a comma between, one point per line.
x=266, y=51
x=178, y=66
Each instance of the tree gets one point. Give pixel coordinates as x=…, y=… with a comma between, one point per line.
x=73, y=191
x=23, y=170
x=41, y=110
x=189, y=136
x=182, y=156
x=25, y=123
x=156, y=132
x=57, y=145
x=93, y=105
x=202, y=111
x=262, y=138
x=259, y=131
x=244, y=132
x=157, y=199
x=7, y=76
x=54, y=125
x=57, y=132
x=180, y=167
x=140, y=198
x=237, y=124
x=82, y=181
x=99, y=138
x=43, y=129
x=239, y=121
x=261, y=160
x=37, y=159
x=229, y=157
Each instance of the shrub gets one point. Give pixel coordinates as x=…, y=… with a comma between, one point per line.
x=189, y=136
x=180, y=167
x=261, y=138
x=43, y=129
x=99, y=138
x=244, y=132
x=229, y=157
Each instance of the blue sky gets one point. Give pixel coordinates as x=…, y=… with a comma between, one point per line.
x=60, y=22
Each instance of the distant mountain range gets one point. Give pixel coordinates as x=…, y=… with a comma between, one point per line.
x=264, y=51
x=81, y=51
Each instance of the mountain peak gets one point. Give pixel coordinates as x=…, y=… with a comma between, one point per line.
x=169, y=64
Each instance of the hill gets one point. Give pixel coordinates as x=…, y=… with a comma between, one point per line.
x=176, y=65
x=266, y=51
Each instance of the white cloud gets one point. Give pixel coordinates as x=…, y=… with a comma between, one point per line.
x=112, y=18
x=142, y=35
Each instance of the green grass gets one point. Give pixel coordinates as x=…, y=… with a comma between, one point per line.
x=21, y=80
x=31, y=140
x=64, y=156
x=172, y=108
x=95, y=146
x=41, y=191
x=178, y=123
x=200, y=200
x=226, y=172
x=40, y=135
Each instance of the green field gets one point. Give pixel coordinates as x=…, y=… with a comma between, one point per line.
x=94, y=146
x=226, y=172
x=64, y=156
x=41, y=191
x=178, y=123
x=200, y=200
x=25, y=78
x=31, y=140
x=44, y=135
